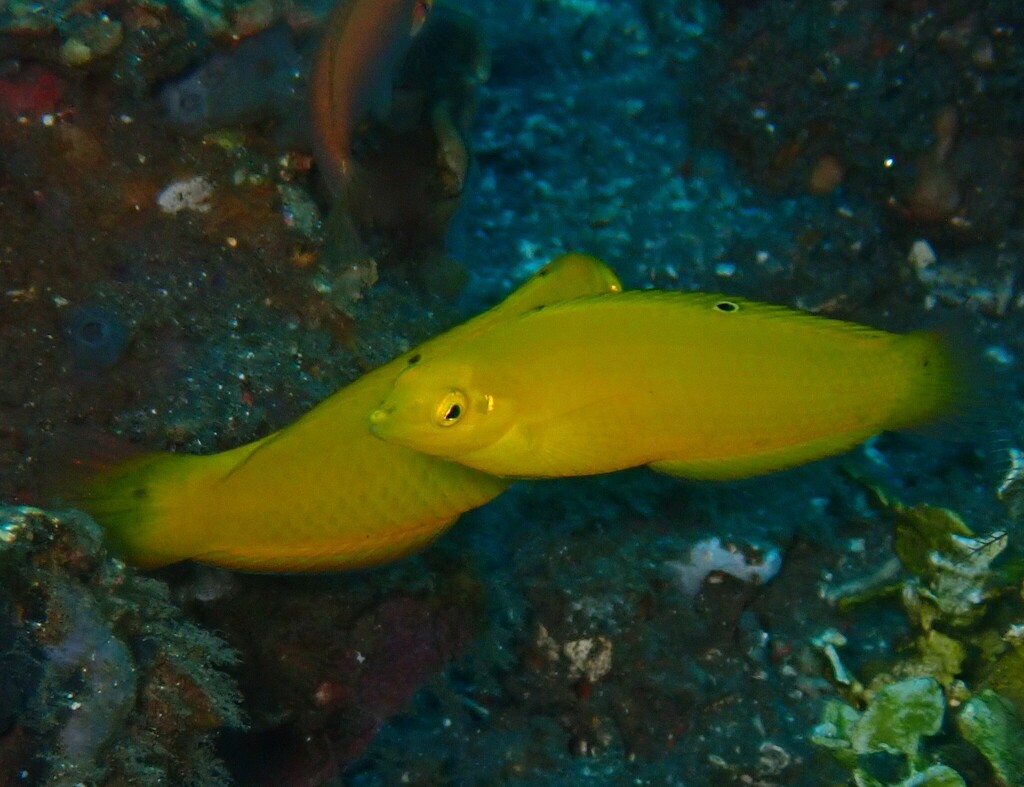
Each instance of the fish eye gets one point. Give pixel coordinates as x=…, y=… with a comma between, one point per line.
x=451, y=408
x=726, y=306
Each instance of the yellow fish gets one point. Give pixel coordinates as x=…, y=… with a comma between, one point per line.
x=322, y=493
x=696, y=385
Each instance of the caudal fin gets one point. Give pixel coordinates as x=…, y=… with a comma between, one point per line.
x=121, y=489
x=949, y=390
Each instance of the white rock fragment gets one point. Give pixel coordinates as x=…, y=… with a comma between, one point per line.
x=828, y=643
x=589, y=657
x=546, y=643
x=922, y=258
x=710, y=555
x=192, y=194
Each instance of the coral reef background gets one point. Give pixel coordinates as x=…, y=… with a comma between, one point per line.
x=168, y=285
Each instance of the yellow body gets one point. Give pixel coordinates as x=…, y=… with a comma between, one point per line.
x=696, y=385
x=323, y=493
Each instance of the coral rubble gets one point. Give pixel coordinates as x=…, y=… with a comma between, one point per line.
x=107, y=682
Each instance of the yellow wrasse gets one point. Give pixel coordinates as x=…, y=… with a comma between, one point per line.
x=360, y=52
x=323, y=493
x=697, y=385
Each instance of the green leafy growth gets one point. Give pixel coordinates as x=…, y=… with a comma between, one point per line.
x=991, y=723
x=942, y=657
x=1007, y=676
x=951, y=568
x=947, y=598
x=923, y=529
x=898, y=716
x=956, y=590
x=835, y=730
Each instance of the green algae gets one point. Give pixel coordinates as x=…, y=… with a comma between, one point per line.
x=991, y=723
x=960, y=687
x=922, y=529
x=1007, y=676
x=899, y=716
x=895, y=721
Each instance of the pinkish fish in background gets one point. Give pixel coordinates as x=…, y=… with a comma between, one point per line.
x=392, y=95
x=363, y=47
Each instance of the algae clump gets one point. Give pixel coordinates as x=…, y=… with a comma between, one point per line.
x=950, y=710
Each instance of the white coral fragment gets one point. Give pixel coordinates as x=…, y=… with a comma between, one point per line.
x=192, y=194
x=710, y=555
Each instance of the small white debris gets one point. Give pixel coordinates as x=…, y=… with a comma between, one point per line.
x=9, y=532
x=872, y=452
x=922, y=257
x=999, y=355
x=192, y=194
x=590, y=657
x=528, y=249
x=1014, y=475
x=827, y=642
x=546, y=643
x=710, y=555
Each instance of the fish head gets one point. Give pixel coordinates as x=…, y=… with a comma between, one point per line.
x=439, y=408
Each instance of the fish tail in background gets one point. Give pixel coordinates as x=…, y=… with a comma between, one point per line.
x=332, y=140
x=361, y=49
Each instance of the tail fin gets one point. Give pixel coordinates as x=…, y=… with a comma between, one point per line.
x=122, y=494
x=950, y=388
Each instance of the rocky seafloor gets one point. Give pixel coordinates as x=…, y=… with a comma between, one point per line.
x=163, y=279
